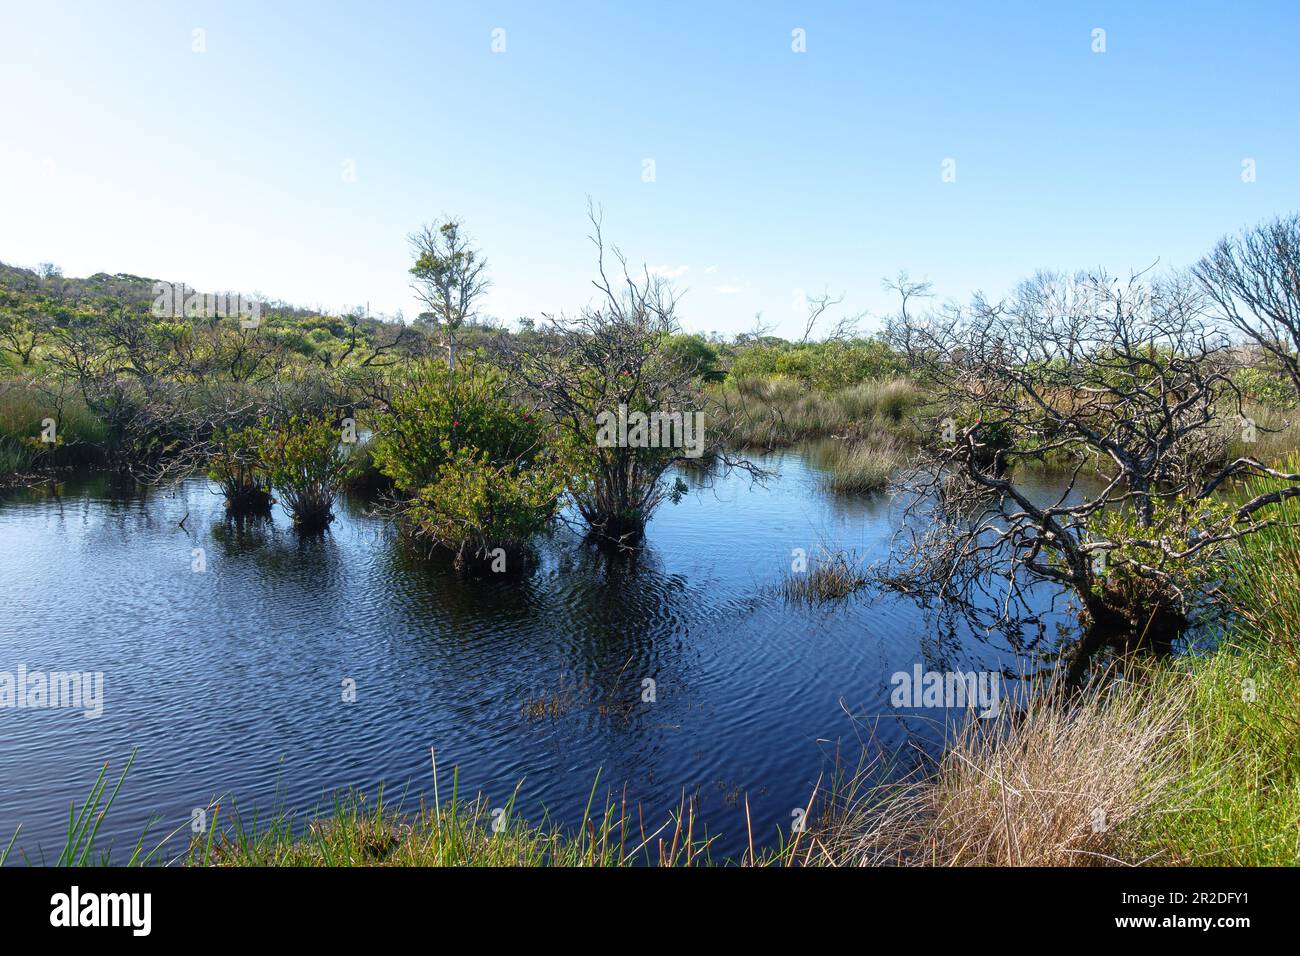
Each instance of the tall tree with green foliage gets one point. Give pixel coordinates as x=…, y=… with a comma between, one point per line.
x=450, y=277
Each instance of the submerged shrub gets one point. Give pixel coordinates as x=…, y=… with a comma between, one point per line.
x=236, y=466
x=485, y=513
x=1143, y=580
x=304, y=465
x=477, y=476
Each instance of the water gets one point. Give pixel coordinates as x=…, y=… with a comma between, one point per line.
x=229, y=682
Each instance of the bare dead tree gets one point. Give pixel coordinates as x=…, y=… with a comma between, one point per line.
x=845, y=326
x=611, y=359
x=1253, y=281
x=902, y=325
x=1123, y=384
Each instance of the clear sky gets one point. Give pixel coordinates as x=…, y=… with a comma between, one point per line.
x=124, y=150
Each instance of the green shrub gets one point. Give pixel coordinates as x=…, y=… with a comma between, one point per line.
x=305, y=467
x=236, y=466
x=433, y=413
x=1265, y=386
x=485, y=513
x=826, y=366
x=694, y=353
x=475, y=468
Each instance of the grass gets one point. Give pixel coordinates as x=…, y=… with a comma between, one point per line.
x=80, y=435
x=832, y=576
x=1052, y=784
x=355, y=831
x=860, y=466
x=1263, y=583
x=1276, y=433
x=1237, y=763
x=358, y=832
x=777, y=412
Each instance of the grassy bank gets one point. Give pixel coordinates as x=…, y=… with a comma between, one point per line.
x=356, y=831
x=79, y=436
x=1191, y=761
x=778, y=412
x=1240, y=738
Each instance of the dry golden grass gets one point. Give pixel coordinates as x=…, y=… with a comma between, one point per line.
x=1053, y=784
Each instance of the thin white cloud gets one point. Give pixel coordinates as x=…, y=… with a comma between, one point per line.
x=710, y=270
x=669, y=272
x=727, y=289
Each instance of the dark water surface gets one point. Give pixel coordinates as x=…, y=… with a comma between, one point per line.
x=229, y=682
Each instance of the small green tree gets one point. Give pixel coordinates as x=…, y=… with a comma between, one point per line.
x=450, y=277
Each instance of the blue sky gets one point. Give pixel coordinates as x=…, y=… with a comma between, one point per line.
x=122, y=149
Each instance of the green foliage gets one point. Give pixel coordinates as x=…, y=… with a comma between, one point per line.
x=434, y=413
x=826, y=366
x=1147, y=568
x=1263, y=584
x=305, y=467
x=1267, y=387
x=236, y=466
x=475, y=506
x=693, y=353
x=475, y=466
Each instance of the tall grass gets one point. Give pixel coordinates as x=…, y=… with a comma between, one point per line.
x=79, y=436
x=777, y=412
x=1267, y=433
x=1238, y=764
x=863, y=465
x=832, y=576
x=1054, y=784
x=80, y=846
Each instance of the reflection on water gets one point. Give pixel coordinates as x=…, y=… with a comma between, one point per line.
x=229, y=681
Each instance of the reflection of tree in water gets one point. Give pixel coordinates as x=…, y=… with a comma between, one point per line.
x=572, y=639
x=317, y=564
x=245, y=534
